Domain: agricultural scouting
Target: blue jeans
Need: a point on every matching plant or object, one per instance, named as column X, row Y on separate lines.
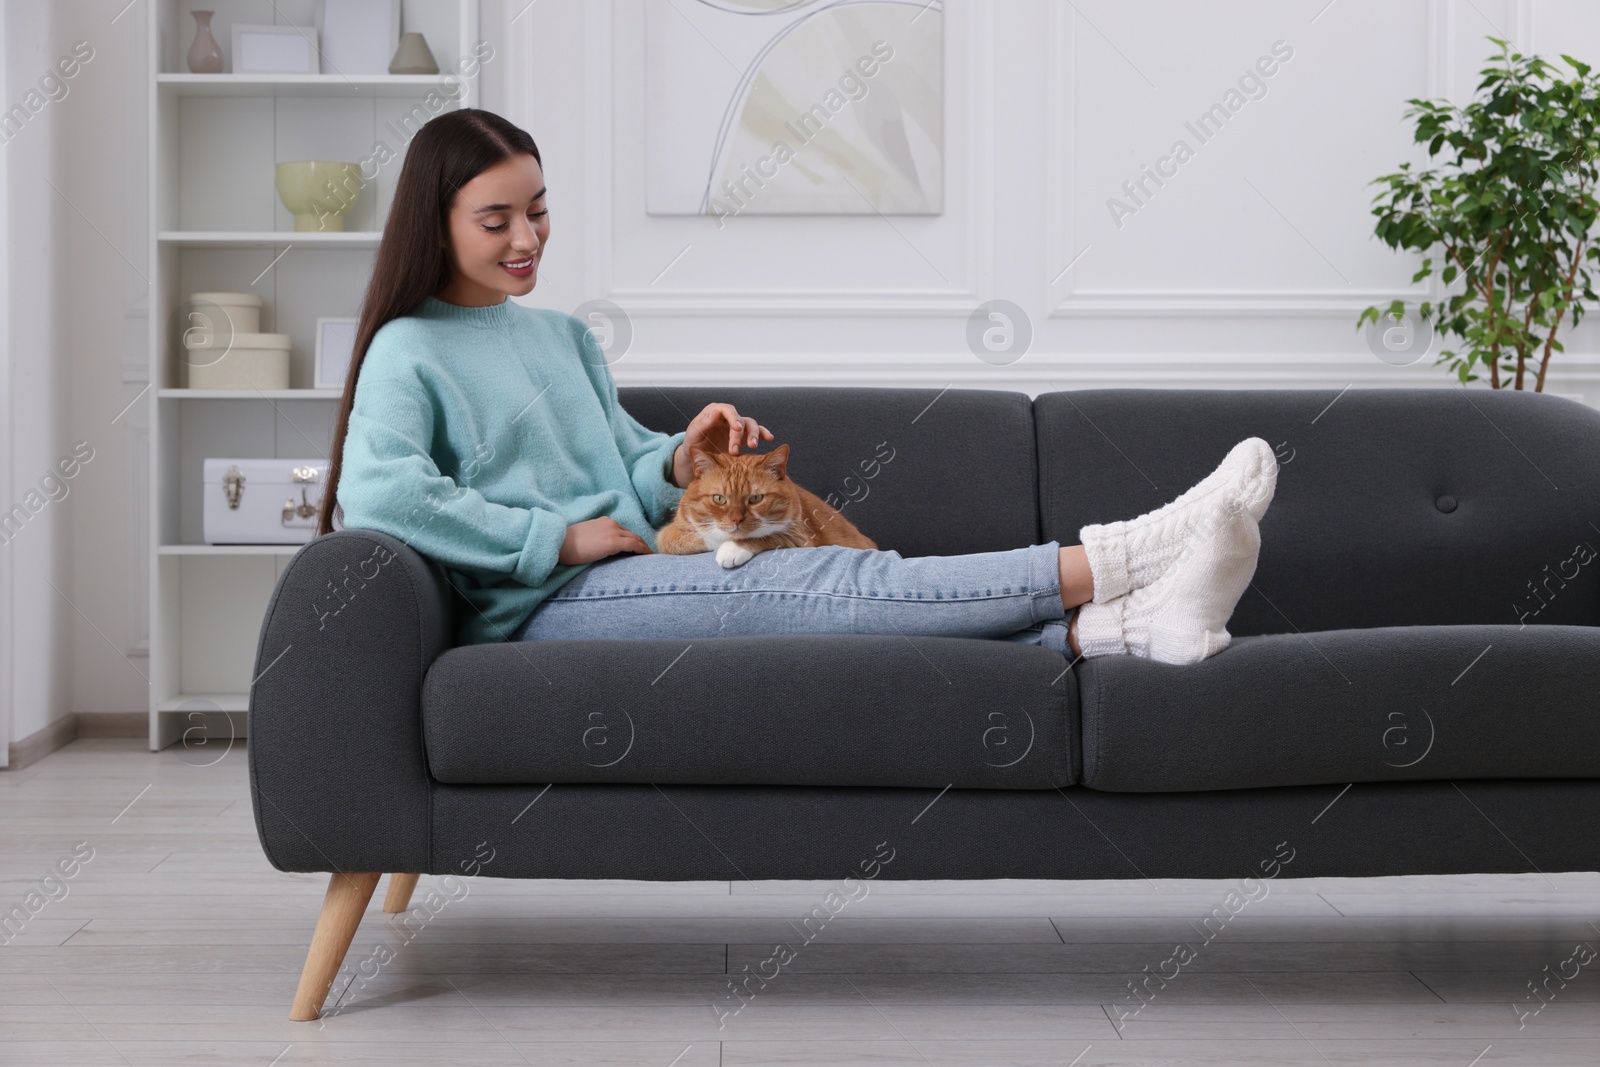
column 1013, row 595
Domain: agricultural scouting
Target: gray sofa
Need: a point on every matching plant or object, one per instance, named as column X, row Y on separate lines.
column 1413, row 688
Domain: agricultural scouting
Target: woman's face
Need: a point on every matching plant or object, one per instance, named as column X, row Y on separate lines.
column 498, row 228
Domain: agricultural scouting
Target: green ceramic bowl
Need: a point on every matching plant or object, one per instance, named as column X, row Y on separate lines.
column 318, row 193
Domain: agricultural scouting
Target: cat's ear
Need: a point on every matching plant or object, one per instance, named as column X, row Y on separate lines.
column 776, row 462
column 700, row 459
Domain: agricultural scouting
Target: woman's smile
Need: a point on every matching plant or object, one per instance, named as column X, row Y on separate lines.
column 520, row 268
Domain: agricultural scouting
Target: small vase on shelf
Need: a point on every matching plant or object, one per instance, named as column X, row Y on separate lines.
column 413, row 56
column 205, row 55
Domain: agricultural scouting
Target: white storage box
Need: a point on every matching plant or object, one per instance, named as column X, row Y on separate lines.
column 224, row 314
column 239, row 361
column 262, row 501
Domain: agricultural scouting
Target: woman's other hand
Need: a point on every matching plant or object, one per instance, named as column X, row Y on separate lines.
column 595, row 539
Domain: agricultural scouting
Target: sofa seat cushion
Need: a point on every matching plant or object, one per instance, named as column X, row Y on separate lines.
column 804, row 709
column 1366, row 705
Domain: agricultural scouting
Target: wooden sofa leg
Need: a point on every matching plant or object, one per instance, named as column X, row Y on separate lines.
column 342, row 907
column 400, row 889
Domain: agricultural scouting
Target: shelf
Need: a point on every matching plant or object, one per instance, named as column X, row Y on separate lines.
column 249, row 394
column 222, row 702
column 229, row 550
column 269, row 238
column 217, row 224
column 355, row 85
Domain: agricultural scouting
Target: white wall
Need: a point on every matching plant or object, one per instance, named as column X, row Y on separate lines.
column 75, row 626
column 8, row 602
column 102, row 322
column 38, row 413
column 1247, row 269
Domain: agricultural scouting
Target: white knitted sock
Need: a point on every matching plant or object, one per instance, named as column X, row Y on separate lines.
column 1124, row 556
column 1182, row 616
column 1100, row 630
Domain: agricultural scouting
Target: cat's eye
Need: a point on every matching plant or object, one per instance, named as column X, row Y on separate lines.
column 756, row 497
column 718, row 498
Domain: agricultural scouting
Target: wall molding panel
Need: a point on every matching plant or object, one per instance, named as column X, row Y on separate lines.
column 1065, row 243
column 968, row 86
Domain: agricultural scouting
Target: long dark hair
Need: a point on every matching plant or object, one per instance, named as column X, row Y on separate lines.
column 412, row 264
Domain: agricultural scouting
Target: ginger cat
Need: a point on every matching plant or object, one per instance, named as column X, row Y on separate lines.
column 737, row 506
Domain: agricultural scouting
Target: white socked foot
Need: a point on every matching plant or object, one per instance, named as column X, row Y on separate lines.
column 1128, row 555
column 1182, row 617
column 1100, row 630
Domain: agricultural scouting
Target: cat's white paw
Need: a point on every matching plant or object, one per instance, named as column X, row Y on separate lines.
column 732, row 554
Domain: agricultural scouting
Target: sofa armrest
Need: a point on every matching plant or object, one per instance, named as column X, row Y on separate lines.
column 338, row 775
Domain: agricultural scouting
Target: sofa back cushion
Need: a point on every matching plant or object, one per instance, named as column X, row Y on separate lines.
column 1393, row 507
column 925, row 472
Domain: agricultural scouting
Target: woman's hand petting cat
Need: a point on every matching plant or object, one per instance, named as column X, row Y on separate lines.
column 707, row 429
column 595, row 539
column 718, row 428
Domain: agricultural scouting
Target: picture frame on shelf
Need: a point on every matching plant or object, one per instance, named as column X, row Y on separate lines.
column 358, row 36
column 336, row 343
column 265, row 49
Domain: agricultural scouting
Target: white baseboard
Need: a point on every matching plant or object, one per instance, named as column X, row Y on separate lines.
column 67, row 729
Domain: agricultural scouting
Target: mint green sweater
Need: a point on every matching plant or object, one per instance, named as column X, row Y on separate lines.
column 479, row 434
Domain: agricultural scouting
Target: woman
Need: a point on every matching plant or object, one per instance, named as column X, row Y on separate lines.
column 487, row 435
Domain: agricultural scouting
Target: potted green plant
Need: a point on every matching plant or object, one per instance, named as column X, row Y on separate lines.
column 1509, row 210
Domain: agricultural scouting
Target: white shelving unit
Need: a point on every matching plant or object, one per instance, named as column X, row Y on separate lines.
column 218, row 225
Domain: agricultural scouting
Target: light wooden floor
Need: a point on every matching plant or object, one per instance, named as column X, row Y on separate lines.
column 178, row 944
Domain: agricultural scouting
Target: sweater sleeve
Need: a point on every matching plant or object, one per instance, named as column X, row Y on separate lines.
column 389, row 482
column 646, row 453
